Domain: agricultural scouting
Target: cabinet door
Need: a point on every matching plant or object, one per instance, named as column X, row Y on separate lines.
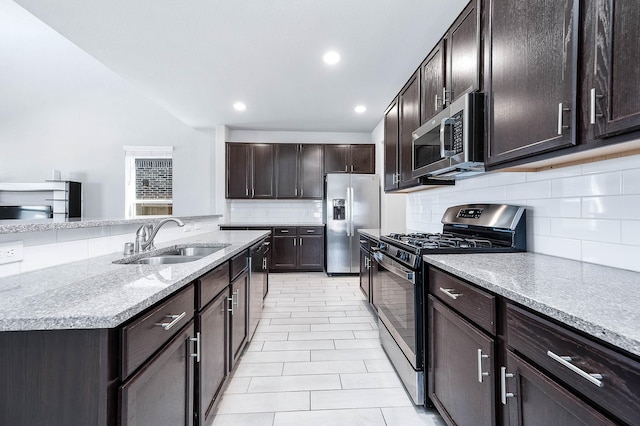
column 214, row 351
column 311, row 176
column 286, row 171
column 532, row 77
column 311, row 253
column 161, row 393
column 364, row 273
column 432, row 84
column 616, row 42
column 391, row 141
column 237, row 170
column 463, row 50
column 456, row 384
column 363, row 159
column 285, row 252
column 539, row 401
column 239, row 295
column 262, row 169
column 409, row 113
column 336, row 158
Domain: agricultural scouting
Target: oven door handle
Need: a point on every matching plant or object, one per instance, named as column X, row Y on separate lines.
column 394, row 267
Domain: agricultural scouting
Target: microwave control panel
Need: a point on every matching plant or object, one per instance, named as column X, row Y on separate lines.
column 458, row 133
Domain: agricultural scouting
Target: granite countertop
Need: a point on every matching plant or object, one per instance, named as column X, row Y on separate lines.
column 97, row 293
column 34, row 225
column 601, row 301
column 271, row 225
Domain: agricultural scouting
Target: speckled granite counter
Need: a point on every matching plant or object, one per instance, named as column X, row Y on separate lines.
column 601, row 301
column 97, row 293
column 270, row 225
column 17, row 226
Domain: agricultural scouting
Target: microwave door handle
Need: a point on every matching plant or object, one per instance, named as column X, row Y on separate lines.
column 446, row 137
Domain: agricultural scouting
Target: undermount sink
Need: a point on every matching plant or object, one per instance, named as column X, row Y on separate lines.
column 177, row 255
column 163, row 260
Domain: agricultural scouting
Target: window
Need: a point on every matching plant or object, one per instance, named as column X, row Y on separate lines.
column 148, row 181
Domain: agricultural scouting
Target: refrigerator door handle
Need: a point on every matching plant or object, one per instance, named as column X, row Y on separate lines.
column 351, row 225
column 348, row 212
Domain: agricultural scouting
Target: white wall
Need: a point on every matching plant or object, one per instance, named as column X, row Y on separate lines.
column 588, row 212
column 61, row 109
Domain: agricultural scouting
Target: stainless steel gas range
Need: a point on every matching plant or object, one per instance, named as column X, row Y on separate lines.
column 469, row 228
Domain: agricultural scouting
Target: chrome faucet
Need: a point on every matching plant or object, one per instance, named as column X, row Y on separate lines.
column 147, row 232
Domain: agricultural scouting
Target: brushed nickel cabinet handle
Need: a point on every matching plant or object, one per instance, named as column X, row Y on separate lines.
column 566, row 362
column 592, row 106
column 197, row 342
column 175, row 319
column 561, row 110
column 481, row 374
column 503, row 385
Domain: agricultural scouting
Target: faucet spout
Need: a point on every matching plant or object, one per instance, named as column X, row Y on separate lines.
column 147, row 232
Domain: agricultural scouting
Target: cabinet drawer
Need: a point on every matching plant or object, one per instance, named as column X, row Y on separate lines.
column 473, row 303
column 238, row 264
column 543, row 342
column 146, row 334
column 310, row 230
column 285, row 231
column 211, row 284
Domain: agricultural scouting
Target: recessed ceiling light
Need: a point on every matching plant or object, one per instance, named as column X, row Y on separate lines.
column 331, row 57
column 360, row 109
column 239, row 106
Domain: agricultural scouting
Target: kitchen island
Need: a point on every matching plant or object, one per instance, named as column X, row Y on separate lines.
column 103, row 343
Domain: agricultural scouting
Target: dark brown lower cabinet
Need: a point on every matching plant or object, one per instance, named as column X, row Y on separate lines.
column 461, row 369
column 212, row 368
column 311, row 252
column 536, row 400
column 284, row 253
column 161, row 392
column 238, row 299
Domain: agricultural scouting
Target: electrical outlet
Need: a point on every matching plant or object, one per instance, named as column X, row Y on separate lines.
column 11, row 252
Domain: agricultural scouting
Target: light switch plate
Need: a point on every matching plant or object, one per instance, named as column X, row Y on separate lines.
column 11, row 252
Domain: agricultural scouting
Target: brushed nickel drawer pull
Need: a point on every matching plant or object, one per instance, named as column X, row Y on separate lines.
column 197, row 342
column 450, row 292
column 566, row 362
column 176, row 319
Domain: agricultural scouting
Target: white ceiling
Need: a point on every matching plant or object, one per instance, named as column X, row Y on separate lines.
column 197, row 57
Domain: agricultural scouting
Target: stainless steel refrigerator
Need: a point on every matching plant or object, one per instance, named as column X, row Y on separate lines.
column 352, row 202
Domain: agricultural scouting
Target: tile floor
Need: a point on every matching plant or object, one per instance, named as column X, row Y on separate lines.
column 316, row 360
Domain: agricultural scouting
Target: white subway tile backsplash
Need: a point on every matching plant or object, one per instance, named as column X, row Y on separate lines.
column 587, row 229
column 631, row 232
column 631, row 181
column 588, row 212
column 584, row 186
column 43, row 256
column 9, row 269
column 275, row 211
column 614, row 207
column 529, row 190
column 618, row 256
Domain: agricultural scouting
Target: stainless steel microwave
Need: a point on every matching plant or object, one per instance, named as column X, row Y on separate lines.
column 452, row 143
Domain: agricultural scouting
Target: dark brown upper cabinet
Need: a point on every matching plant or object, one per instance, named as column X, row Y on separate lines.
column 250, row 170
column 391, row 139
column 611, row 54
column 452, row 68
column 531, row 71
column 349, row 159
column 409, row 120
column 299, row 171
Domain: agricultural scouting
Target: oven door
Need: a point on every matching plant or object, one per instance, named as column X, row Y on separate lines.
column 397, row 303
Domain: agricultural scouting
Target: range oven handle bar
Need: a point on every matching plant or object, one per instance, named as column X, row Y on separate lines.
column 394, row 267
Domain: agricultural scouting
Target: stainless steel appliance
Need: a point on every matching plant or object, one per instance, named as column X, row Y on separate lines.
column 352, row 201
column 452, row 143
column 258, row 282
column 470, row 228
